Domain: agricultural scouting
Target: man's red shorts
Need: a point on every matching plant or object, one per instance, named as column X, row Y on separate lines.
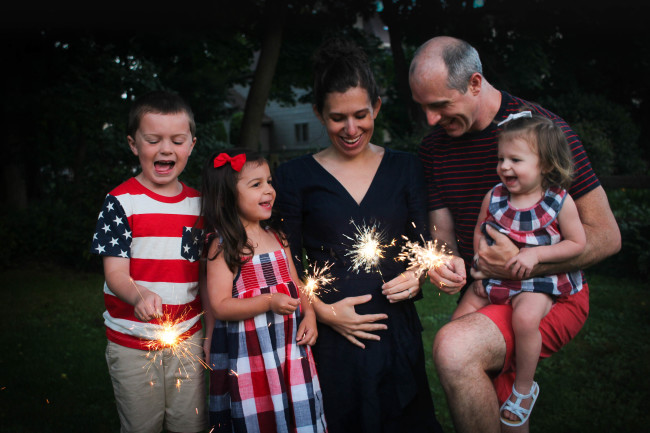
column 558, row 327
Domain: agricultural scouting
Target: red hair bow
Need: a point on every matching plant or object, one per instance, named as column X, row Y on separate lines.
column 236, row 162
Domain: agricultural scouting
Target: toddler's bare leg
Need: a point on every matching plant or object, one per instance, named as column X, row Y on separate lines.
column 470, row 302
column 528, row 311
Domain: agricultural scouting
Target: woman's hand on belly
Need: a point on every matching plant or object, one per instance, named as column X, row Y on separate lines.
column 343, row 318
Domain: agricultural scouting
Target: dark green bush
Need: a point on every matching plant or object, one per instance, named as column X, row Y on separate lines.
column 58, row 226
column 631, row 208
column 607, row 131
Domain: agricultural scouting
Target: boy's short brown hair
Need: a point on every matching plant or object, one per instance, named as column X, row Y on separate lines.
column 159, row 102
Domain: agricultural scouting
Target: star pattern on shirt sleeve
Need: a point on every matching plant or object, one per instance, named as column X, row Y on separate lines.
column 112, row 235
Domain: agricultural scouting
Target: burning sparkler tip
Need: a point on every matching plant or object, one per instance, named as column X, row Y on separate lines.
column 317, row 281
column 422, row 258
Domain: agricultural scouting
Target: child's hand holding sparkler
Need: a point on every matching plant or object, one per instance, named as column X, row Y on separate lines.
column 313, row 284
column 283, row 304
column 148, row 306
column 307, row 331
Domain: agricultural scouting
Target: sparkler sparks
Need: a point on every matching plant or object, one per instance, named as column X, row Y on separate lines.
column 368, row 248
column 316, row 282
column 169, row 336
column 170, row 333
column 421, row 258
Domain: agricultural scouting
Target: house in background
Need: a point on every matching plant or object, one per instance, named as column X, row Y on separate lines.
column 287, row 130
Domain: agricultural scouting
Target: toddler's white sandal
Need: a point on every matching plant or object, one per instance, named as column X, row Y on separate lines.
column 515, row 408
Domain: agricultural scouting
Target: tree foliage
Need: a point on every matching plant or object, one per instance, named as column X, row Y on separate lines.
column 71, row 74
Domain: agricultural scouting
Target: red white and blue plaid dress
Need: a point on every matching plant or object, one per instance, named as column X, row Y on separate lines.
column 530, row 227
column 261, row 380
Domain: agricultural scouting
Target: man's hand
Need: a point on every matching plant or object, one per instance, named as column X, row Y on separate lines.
column 449, row 278
column 492, row 259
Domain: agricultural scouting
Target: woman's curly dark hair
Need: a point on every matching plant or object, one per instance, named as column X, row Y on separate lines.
column 339, row 65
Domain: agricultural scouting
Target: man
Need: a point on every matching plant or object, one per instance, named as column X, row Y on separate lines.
column 474, row 353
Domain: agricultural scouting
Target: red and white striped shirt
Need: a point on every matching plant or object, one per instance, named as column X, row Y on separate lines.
column 160, row 237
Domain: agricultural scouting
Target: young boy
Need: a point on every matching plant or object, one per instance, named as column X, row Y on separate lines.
column 150, row 254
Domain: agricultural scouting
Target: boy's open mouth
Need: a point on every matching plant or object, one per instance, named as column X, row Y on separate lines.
column 163, row 167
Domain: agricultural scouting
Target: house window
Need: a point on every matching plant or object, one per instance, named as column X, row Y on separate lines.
column 302, row 132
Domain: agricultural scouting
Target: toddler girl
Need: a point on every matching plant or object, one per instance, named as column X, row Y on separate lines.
column 263, row 376
column 532, row 207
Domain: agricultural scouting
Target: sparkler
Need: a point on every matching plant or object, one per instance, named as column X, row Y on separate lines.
column 316, row 282
column 170, row 335
column 421, row 258
column 368, row 248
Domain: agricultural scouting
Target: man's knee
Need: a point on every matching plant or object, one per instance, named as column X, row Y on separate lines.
column 449, row 351
column 472, row 342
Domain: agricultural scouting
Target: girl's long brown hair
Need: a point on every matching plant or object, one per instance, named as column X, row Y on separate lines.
column 221, row 219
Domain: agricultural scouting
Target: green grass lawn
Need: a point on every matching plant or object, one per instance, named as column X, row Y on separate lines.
column 600, row 382
column 53, row 375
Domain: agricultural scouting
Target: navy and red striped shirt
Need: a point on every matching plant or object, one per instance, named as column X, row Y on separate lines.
column 459, row 171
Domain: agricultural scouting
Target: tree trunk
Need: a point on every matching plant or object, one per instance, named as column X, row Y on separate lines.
column 273, row 20
column 390, row 16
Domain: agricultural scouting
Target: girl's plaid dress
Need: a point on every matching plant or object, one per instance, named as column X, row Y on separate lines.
column 530, row 227
column 261, row 380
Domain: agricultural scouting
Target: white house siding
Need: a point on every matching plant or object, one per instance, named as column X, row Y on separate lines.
column 283, row 131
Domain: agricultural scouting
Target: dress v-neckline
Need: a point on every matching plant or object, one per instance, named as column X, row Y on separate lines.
column 370, row 186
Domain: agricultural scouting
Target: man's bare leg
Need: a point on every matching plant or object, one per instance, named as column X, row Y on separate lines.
column 465, row 351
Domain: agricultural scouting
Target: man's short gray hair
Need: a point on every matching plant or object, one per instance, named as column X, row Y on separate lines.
column 462, row 62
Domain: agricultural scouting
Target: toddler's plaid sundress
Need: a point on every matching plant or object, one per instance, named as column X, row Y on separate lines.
column 530, row 227
column 261, row 380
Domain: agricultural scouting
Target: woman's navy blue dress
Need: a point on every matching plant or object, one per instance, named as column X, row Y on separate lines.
column 382, row 388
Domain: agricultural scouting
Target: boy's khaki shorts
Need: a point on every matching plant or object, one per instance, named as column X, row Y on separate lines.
column 159, row 389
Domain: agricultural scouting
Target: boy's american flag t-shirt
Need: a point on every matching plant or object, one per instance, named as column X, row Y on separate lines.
column 160, row 237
